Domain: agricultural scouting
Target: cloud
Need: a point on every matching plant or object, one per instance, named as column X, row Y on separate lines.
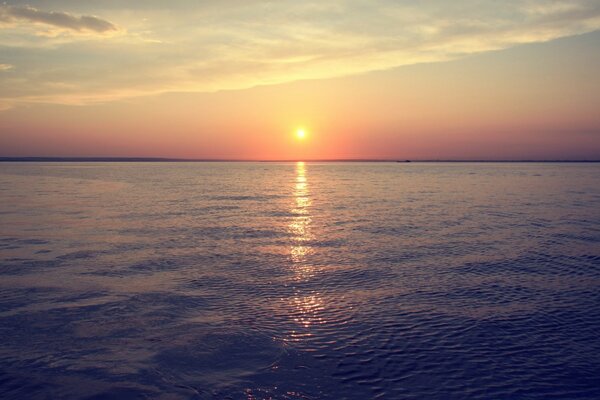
column 200, row 47
column 62, row 20
column 5, row 67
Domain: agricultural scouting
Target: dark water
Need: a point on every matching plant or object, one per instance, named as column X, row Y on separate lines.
column 299, row 281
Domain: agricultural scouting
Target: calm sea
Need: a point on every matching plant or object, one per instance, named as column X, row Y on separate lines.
column 299, row 281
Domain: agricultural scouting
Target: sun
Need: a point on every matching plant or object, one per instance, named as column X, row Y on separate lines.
column 300, row 133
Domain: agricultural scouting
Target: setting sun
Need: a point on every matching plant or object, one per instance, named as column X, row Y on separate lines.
column 300, row 133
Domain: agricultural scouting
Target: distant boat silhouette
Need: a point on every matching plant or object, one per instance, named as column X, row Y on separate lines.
column 403, row 161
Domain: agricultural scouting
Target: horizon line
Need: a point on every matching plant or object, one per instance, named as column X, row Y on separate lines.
column 170, row 159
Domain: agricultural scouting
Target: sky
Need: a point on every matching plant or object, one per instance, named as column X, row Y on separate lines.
column 365, row 79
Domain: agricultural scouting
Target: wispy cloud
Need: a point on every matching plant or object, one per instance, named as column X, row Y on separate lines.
column 5, row 67
column 56, row 19
column 197, row 46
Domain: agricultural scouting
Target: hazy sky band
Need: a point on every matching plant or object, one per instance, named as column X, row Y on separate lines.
column 91, row 54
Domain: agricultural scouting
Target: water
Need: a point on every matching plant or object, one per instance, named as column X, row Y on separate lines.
column 299, row 281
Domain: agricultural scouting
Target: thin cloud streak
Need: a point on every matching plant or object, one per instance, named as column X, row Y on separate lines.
column 63, row 20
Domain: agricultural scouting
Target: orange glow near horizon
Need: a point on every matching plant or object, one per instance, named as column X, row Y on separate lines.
column 463, row 109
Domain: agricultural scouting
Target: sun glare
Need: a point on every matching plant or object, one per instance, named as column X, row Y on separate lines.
column 300, row 133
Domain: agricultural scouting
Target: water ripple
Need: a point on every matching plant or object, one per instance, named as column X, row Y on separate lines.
column 300, row 281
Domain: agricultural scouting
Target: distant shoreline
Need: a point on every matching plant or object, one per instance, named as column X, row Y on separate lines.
column 163, row 159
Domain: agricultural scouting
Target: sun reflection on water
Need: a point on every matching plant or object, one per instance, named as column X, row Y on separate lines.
column 306, row 306
column 299, row 226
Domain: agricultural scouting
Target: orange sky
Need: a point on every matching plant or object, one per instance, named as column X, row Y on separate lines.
column 533, row 96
